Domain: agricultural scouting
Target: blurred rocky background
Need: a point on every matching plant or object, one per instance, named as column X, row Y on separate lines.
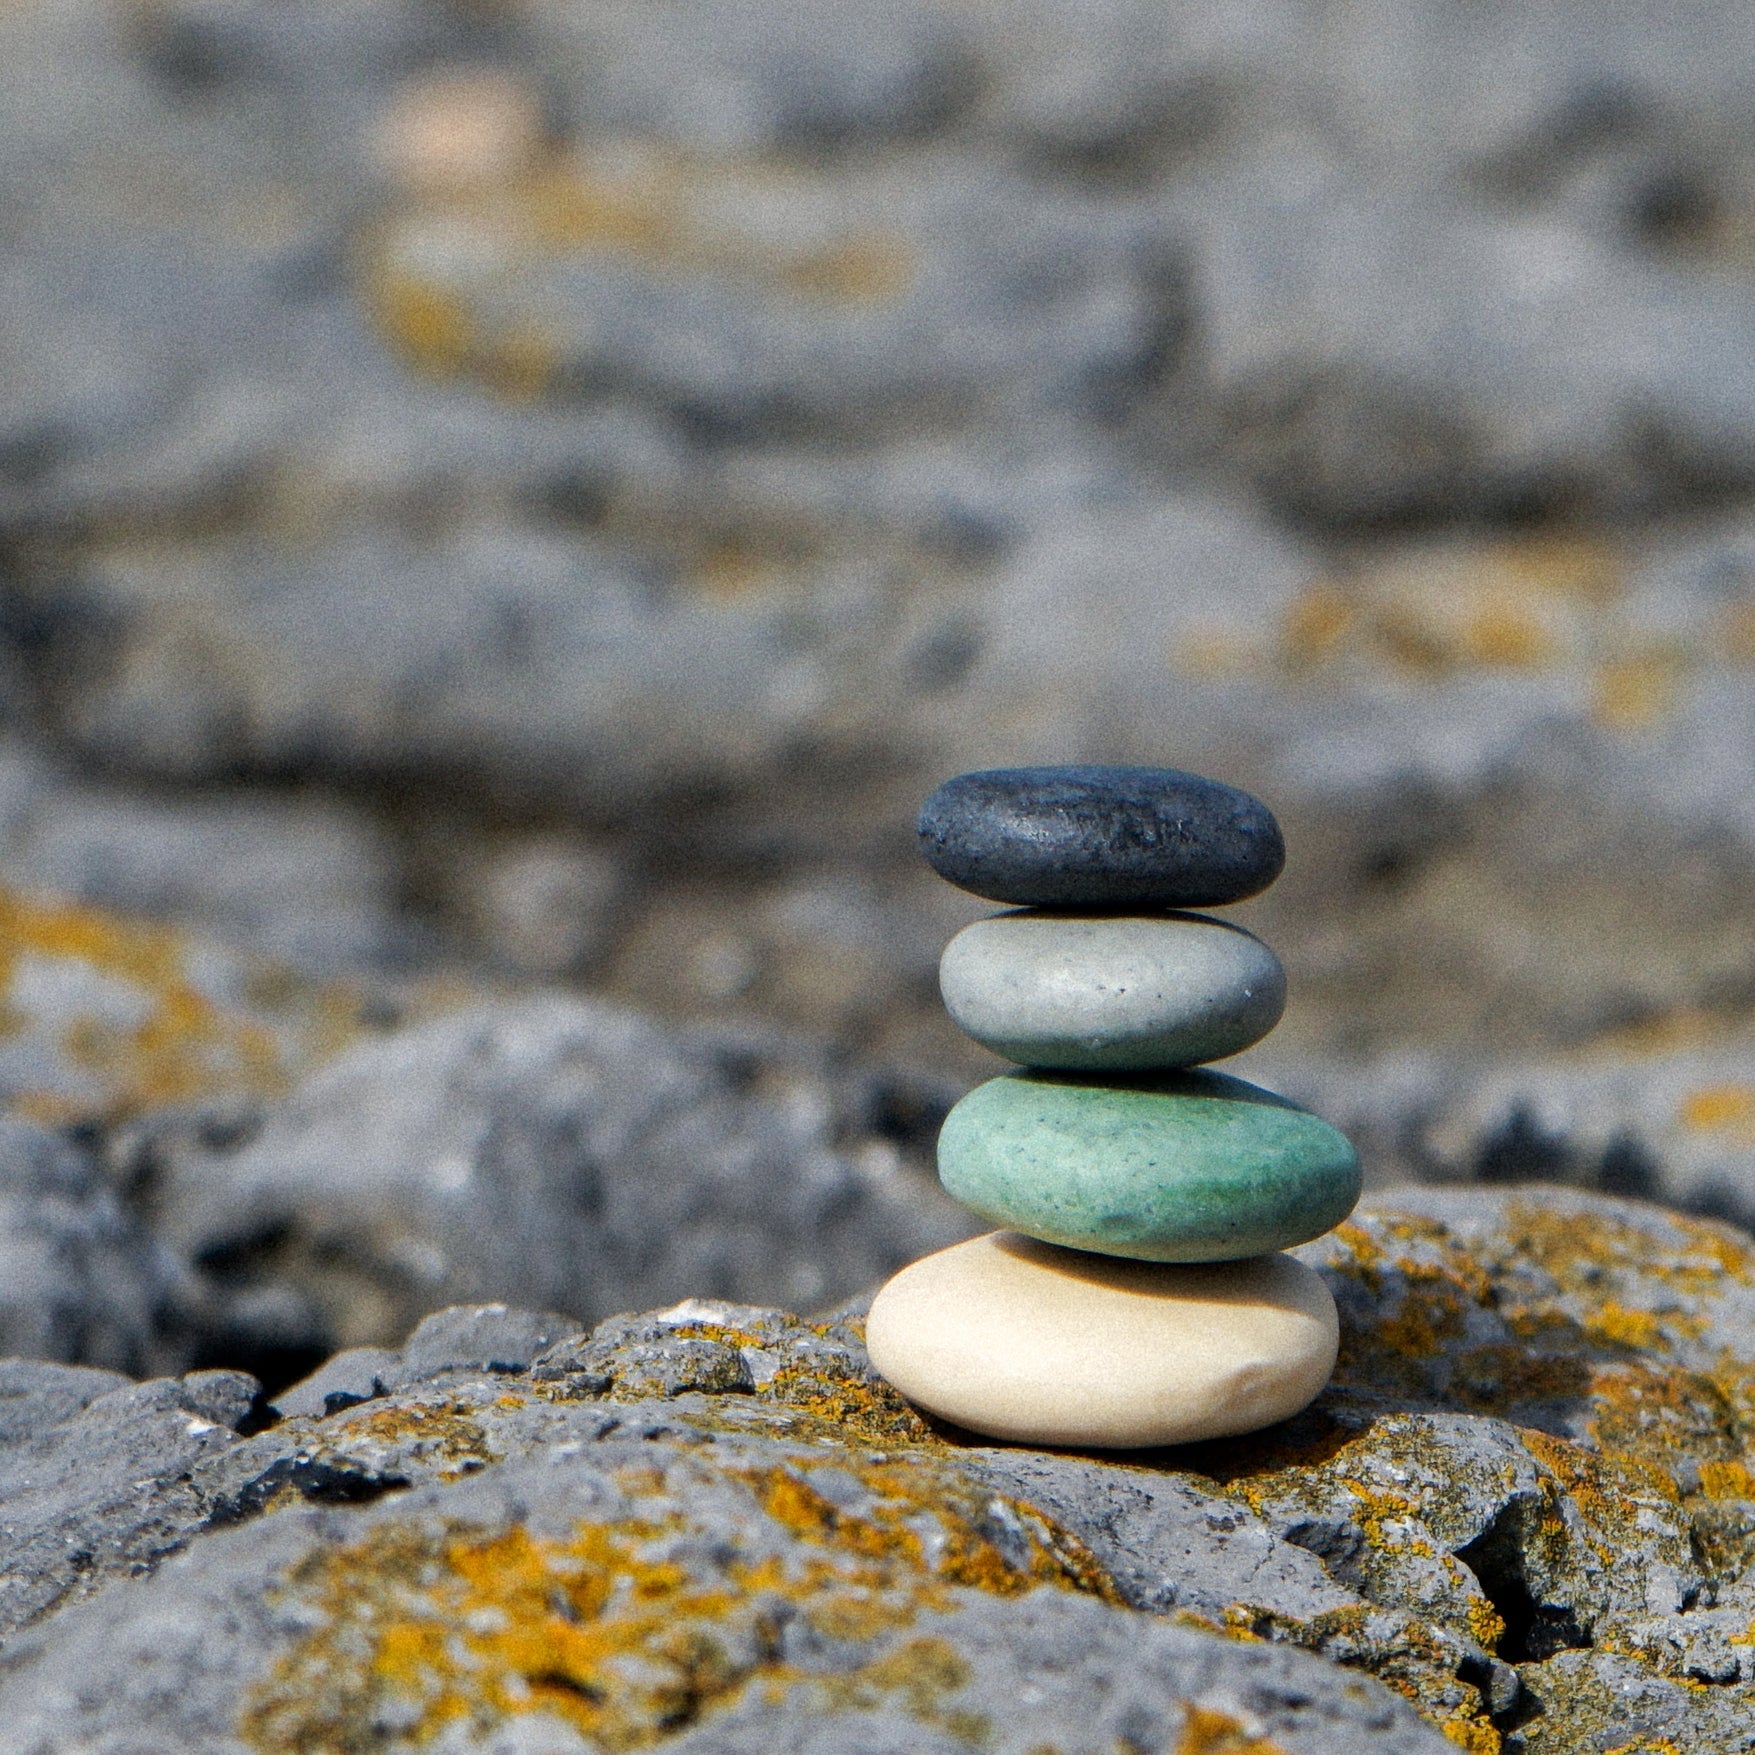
column 506, row 506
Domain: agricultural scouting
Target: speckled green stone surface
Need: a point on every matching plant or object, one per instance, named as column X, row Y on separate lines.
column 1174, row 1166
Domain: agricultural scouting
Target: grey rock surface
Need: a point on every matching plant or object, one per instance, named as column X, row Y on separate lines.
column 556, row 1153
column 957, row 1658
column 633, row 525
column 80, row 1281
column 1523, row 1507
column 306, row 881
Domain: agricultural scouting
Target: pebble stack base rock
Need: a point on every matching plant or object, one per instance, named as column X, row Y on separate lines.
column 1018, row 1339
column 1111, row 993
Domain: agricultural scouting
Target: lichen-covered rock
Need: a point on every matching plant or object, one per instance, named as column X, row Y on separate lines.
column 307, row 881
column 108, row 1017
column 625, row 1573
column 1525, row 1506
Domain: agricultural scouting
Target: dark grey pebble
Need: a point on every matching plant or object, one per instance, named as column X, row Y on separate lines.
column 1099, row 837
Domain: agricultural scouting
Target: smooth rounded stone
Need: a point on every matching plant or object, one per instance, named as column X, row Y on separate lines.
column 1111, row 992
column 1170, row 1166
column 1017, row 1339
column 1100, row 837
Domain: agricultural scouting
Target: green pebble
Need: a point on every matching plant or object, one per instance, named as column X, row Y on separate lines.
column 1170, row 1166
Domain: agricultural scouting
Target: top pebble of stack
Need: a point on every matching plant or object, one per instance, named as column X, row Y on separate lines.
column 1100, row 837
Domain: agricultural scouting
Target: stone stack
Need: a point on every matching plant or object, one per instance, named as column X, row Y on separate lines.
column 1137, row 1296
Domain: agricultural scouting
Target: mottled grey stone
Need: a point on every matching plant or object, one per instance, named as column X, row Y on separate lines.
column 97, row 1485
column 1168, row 1541
column 341, row 1381
column 79, row 1280
column 311, row 882
column 483, row 1337
column 1505, row 1505
column 956, row 1659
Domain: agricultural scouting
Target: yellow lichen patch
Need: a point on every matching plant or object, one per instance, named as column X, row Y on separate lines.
column 907, row 1499
column 1730, row 1479
column 1529, row 605
column 1660, row 1414
column 427, row 324
column 1206, row 1730
column 483, row 1627
column 858, row 1410
column 631, row 1629
column 1578, row 1252
column 920, row 1675
column 1504, row 632
column 1498, row 1377
column 120, row 1005
column 445, row 1433
column 858, row 271
column 1638, row 691
column 1486, row 1624
column 1316, row 623
column 1615, row 1323
column 1473, row 1734
column 1424, row 1289
column 1721, row 1109
column 445, row 280
column 1609, row 1493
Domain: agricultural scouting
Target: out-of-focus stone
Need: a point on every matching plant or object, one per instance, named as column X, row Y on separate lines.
column 111, row 1016
column 308, row 881
column 557, row 1153
column 79, row 1281
column 459, row 131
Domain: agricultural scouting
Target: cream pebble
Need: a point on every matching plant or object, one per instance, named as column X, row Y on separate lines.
column 1111, row 992
column 1023, row 1340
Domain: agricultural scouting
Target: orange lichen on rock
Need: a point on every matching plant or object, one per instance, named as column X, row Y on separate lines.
column 1636, row 692
column 445, row 1433
column 444, row 278
column 1208, row 1731
column 1423, row 1288
column 1476, row 1735
column 631, row 1628
column 1726, row 1109
column 909, row 1497
column 1727, row 1480
column 128, row 1020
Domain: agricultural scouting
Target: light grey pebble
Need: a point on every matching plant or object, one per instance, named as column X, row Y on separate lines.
column 1114, row 992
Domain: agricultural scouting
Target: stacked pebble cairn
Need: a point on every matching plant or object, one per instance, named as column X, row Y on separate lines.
column 1137, row 1296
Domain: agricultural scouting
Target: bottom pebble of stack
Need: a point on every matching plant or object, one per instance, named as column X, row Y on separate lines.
column 1024, row 1340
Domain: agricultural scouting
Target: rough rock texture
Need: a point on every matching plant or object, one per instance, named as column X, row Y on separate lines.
column 307, row 881
column 1665, row 1111
column 556, row 1153
column 1525, row 1507
column 610, row 464
column 79, row 1280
